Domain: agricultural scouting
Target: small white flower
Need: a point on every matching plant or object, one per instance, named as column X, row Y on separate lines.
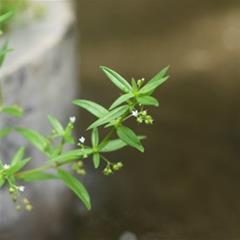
column 6, row 166
column 81, row 139
column 135, row 113
column 72, row 119
column 21, row 188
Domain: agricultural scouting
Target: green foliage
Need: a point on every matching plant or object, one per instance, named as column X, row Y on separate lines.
column 132, row 104
column 76, row 186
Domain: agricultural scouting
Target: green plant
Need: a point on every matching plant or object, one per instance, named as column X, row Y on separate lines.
column 136, row 96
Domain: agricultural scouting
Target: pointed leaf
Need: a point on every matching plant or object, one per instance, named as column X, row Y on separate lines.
column 35, row 176
column 17, row 166
column 155, row 81
column 96, row 160
column 35, row 138
column 151, row 86
column 148, row 100
column 121, row 100
column 92, row 107
column 129, row 137
column 56, row 124
column 76, row 186
column 116, row 113
column 95, row 137
column 18, row 156
column 14, row 111
column 6, row 16
column 117, row 79
column 116, row 144
column 71, row 155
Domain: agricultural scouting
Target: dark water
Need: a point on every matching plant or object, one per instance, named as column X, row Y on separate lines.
column 186, row 184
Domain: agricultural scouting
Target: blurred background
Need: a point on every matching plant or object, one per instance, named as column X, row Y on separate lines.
column 186, row 184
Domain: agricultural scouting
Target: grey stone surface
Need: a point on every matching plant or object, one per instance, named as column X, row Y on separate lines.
column 40, row 76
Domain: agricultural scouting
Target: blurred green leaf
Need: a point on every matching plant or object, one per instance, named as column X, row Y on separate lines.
column 92, row 107
column 36, row 176
column 56, row 124
column 6, row 17
column 3, row 52
column 18, row 156
column 17, row 166
column 72, row 155
column 14, row 111
column 4, row 132
column 129, row 137
column 35, row 138
column 117, row 79
column 76, row 186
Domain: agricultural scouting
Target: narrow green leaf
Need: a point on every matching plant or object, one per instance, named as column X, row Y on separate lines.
column 76, row 186
column 36, row 176
column 95, row 137
column 113, row 145
column 4, row 132
column 3, row 52
column 71, row 155
column 6, row 16
column 129, row 137
column 92, row 107
column 151, row 86
column 56, row 124
column 134, row 84
column 96, row 160
column 18, row 156
column 117, row 112
column 116, row 144
column 156, row 81
column 117, row 79
column 14, row 111
column 35, row 138
column 148, row 100
column 121, row 100
column 17, row 166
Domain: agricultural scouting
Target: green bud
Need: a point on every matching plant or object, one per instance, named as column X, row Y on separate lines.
column 80, row 163
column 81, row 172
column 28, row 207
column 139, row 120
column 120, row 165
column 26, row 201
column 115, row 167
column 18, row 207
column 11, row 190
